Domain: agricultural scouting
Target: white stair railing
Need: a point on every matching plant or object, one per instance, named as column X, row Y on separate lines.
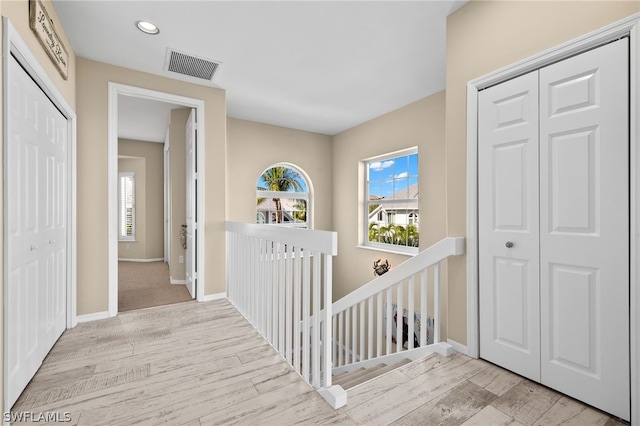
column 278, row 277
column 365, row 322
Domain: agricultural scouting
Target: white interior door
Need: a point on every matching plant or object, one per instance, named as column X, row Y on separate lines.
column 191, row 199
column 584, row 231
column 509, row 230
column 554, row 187
column 35, row 229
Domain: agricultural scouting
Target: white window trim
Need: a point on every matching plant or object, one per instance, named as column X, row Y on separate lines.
column 365, row 243
column 121, row 236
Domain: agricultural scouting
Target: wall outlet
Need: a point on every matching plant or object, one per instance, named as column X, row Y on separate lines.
column 180, row 259
column 128, row 247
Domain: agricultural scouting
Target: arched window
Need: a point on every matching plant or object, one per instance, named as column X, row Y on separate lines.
column 282, row 197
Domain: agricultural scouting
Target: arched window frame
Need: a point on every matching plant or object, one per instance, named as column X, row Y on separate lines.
column 305, row 196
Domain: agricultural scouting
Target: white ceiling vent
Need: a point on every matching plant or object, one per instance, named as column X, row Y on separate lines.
column 190, row 65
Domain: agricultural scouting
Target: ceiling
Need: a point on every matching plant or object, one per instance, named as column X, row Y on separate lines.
column 319, row 66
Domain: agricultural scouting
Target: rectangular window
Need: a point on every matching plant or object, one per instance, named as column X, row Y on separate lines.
column 127, row 216
column 392, row 202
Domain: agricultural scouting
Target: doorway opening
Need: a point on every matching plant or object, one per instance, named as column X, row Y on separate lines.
column 149, row 263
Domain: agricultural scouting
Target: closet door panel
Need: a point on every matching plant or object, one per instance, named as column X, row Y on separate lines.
column 36, row 229
column 508, row 218
column 584, row 227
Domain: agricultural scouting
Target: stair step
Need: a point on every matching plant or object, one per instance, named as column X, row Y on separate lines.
column 343, row 379
column 376, row 373
column 355, row 378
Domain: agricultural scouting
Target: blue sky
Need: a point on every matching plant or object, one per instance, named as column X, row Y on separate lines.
column 303, row 184
column 389, row 176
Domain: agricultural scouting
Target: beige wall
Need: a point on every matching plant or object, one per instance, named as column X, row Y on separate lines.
column 92, row 88
column 177, row 132
column 149, row 169
column 253, row 147
column 482, row 37
column 18, row 13
column 419, row 124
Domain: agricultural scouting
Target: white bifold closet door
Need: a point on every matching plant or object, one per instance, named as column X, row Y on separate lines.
column 35, row 229
column 553, row 156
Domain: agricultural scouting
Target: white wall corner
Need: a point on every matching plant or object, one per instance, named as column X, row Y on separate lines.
column 458, row 347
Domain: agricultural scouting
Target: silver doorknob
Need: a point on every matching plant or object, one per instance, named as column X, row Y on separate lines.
column 509, row 244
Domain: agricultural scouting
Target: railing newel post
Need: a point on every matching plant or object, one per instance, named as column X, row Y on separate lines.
column 329, row 324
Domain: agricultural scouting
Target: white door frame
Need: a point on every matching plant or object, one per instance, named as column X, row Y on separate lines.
column 629, row 26
column 14, row 44
column 167, row 197
column 115, row 90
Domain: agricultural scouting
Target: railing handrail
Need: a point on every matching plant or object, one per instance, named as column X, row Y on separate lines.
column 449, row 246
column 277, row 276
column 321, row 241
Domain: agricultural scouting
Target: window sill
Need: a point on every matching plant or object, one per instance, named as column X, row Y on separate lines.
column 388, row 250
column 127, row 241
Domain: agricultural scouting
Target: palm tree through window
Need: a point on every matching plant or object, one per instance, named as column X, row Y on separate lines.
column 282, row 197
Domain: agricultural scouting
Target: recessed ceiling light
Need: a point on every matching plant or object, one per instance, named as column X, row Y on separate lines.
column 147, row 27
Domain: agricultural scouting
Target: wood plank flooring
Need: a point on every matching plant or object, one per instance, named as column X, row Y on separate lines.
column 204, row 364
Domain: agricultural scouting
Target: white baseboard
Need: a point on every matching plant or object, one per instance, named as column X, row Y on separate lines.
column 160, row 259
column 93, row 317
column 458, row 347
column 183, row 282
column 210, row 297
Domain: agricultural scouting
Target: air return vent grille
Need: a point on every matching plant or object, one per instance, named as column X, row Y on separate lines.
column 192, row 66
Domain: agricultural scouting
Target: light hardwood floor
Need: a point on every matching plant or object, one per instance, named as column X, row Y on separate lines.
column 204, row 364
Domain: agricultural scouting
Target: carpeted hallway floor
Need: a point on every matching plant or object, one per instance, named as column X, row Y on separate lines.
column 147, row 284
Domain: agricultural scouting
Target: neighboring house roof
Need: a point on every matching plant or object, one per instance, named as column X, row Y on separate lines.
column 391, row 202
column 269, row 205
column 409, row 193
